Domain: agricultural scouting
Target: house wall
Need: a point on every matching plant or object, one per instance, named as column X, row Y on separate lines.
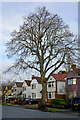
column 37, row 90
column 51, row 89
column 26, row 92
column 78, row 93
column 18, row 90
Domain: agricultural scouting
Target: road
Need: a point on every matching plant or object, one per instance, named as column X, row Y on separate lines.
column 18, row 112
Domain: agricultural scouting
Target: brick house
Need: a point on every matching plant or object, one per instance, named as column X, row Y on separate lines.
column 56, row 87
column 73, row 82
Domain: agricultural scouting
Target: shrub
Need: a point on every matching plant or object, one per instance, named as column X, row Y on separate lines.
column 61, row 103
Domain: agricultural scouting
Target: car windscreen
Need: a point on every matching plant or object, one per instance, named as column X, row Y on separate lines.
column 75, row 99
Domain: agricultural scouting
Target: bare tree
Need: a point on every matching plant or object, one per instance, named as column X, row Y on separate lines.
column 42, row 43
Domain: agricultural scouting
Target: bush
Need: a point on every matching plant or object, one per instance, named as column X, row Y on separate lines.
column 61, row 103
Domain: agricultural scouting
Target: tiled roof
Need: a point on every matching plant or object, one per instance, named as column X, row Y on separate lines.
column 19, row 84
column 60, row 77
column 37, row 78
column 72, row 74
column 28, row 82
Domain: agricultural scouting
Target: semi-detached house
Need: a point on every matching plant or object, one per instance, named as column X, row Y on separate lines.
column 56, row 87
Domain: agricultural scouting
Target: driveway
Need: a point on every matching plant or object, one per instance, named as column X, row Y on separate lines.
column 18, row 112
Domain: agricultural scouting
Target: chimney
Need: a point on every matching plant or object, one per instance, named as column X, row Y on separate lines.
column 33, row 77
column 73, row 67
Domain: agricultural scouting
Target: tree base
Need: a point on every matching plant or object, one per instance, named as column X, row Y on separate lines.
column 42, row 107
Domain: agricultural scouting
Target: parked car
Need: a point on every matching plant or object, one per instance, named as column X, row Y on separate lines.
column 10, row 99
column 75, row 103
column 30, row 101
column 19, row 100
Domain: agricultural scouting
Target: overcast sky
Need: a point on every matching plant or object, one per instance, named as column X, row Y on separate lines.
column 12, row 18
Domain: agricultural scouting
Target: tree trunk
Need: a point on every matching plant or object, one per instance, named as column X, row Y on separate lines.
column 44, row 93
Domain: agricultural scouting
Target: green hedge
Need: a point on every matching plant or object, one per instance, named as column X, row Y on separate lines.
column 60, row 103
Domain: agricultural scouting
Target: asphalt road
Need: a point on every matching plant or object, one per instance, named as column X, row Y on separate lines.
column 18, row 112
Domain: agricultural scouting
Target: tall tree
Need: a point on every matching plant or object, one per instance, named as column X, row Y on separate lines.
column 42, row 43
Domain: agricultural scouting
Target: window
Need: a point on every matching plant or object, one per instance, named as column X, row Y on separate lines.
column 51, row 84
column 34, row 86
column 74, row 81
column 50, row 78
column 25, row 96
column 25, row 88
column 34, row 95
column 50, row 95
column 70, row 82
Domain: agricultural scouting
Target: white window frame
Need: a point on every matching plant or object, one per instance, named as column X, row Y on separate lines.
column 51, row 84
column 34, row 95
column 52, row 95
column 74, row 81
column 70, row 81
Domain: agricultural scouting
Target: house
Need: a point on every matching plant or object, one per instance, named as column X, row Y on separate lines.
column 36, row 87
column 17, row 90
column 73, row 82
column 26, row 89
column 56, row 87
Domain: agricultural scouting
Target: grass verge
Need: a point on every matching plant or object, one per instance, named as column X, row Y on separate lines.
column 32, row 107
column 53, row 110
column 48, row 109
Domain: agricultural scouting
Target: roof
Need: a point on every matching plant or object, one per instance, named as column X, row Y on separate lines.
column 37, row 78
column 28, row 82
column 59, row 77
column 72, row 74
column 19, row 84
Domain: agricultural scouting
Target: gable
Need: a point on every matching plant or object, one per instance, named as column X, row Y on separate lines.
column 59, row 77
column 34, row 81
column 72, row 74
column 51, row 78
column 24, row 84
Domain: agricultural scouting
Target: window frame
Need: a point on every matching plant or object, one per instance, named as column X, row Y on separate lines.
column 71, row 81
column 52, row 94
column 34, row 95
column 50, row 84
column 33, row 86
